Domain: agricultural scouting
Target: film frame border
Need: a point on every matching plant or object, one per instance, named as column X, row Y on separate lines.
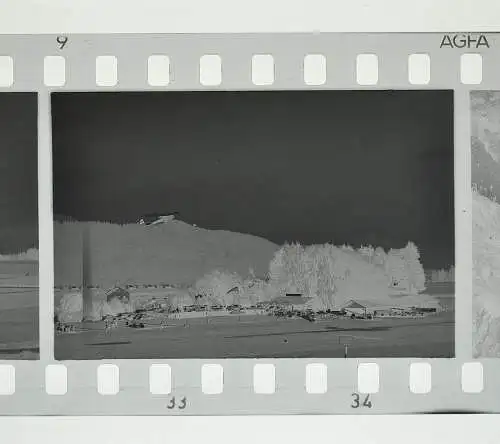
column 288, row 50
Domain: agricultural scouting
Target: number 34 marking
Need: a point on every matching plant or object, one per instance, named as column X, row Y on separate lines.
column 357, row 403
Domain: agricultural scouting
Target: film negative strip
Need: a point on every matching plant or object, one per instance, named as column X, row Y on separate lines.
column 249, row 224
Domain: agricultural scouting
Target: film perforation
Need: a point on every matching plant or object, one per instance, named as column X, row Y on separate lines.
column 210, row 70
column 471, row 69
column 6, row 71
column 361, row 395
column 263, row 69
column 316, row 378
column 472, row 377
column 106, row 71
column 419, row 69
column 56, row 379
column 8, row 379
column 212, row 379
column 420, row 377
column 264, row 377
column 367, row 69
column 54, row 74
column 108, row 379
column 160, row 379
column 368, row 378
column 158, row 70
column 314, row 70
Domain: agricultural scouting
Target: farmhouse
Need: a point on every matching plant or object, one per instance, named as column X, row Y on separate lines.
column 117, row 293
column 400, row 306
column 363, row 308
column 157, row 218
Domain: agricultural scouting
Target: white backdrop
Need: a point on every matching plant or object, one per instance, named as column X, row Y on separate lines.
column 100, row 16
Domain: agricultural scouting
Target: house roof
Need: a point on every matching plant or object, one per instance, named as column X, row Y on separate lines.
column 359, row 303
column 354, row 304
column 291, row 300
column 117, row 293
column 153, row 217
column 401, row 302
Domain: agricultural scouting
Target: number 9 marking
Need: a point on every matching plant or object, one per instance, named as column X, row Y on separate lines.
column 62, row 40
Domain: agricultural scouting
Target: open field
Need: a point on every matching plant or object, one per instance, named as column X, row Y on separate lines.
column 444, row 292
column 264, row 336
column 19, row 304
column 20, row 272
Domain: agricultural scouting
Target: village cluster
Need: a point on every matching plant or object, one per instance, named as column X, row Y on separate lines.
column 159, row 313
column 315, row 283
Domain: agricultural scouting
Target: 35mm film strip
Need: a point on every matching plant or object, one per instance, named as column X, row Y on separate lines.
column 249, row 224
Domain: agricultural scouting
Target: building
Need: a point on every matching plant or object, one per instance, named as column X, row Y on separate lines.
column 292, row 302
column 156, row 218
column 365, row 308
column 401, row 307
column 118, row 293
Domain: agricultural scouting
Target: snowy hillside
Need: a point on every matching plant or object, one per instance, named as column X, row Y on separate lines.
column 173, row 253
column 29, row 255
column 486, row 275
column 485, row 107
column 485, row 143
column 485, row 176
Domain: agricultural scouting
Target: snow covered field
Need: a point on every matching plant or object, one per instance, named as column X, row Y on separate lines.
column 180, row 266
column 19, row 309
column 223, row 335
column 264, row 336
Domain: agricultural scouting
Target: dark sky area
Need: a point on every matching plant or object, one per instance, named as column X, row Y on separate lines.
column 18, row 172
column 353, row 167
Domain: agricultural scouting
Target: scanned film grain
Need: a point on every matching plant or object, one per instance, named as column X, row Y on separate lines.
column 485, row 178
column 294, row 197
column 18, row 226
column 236, row 224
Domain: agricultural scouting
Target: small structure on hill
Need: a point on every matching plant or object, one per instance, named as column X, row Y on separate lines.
column 156, row 218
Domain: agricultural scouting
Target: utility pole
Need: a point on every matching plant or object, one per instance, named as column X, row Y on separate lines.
column 86, row 273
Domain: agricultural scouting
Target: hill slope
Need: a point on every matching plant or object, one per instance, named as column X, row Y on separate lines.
column 486, row 276
column 485, row 142
column 172, row 253
column 485, row 174
column 485, row 171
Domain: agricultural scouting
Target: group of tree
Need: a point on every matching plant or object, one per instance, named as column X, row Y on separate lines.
column 442, row 275
column 326, row 273
column 309, row 271
column 403, row 267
